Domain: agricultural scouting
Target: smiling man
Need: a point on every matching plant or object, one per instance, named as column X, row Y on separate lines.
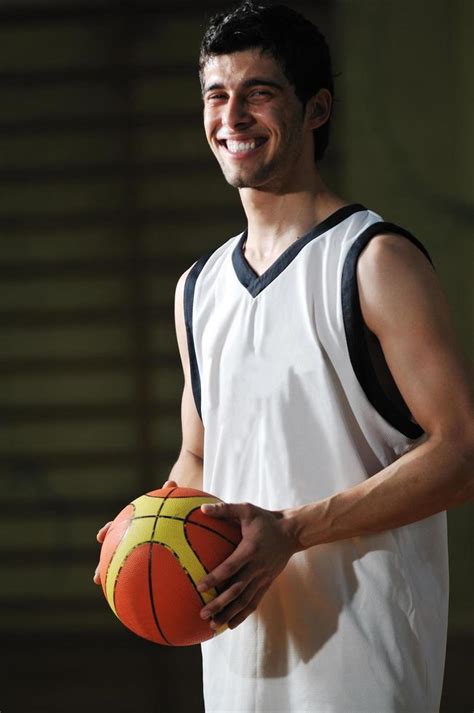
column 325, row 401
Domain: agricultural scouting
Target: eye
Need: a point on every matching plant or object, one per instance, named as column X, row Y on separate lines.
column 215, row 97
column 260, row 94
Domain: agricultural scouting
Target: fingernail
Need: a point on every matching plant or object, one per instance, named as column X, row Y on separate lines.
column 205, row 614
column 202, row 587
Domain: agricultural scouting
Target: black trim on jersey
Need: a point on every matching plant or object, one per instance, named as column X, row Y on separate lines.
column 256, row 283
column 189, row 287
column 393, row 408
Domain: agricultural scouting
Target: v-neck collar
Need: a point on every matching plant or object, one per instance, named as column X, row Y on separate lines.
column 255, row 283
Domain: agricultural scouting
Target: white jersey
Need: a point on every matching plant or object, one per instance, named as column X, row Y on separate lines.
column 298, row 403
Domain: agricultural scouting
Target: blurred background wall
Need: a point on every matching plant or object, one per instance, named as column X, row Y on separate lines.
column 108, row 193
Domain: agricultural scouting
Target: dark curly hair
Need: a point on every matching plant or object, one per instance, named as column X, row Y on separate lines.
column 290, row 38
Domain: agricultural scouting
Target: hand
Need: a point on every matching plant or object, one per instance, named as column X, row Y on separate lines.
column 100, row 538
column 266, row 546
column 103, row 530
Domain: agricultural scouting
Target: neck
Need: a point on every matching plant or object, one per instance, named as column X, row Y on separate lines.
column 275, row 220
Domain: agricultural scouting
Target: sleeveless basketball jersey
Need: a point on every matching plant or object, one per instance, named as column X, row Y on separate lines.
column 297, row 404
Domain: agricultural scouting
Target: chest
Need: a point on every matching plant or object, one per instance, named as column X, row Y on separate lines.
column 258, row 340
column 260, row 266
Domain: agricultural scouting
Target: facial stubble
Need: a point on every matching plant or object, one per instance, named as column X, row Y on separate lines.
column 269, row 175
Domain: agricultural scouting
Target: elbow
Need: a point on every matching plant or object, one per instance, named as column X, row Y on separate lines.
column 464, row 450
column 458, row 448
column 469, row 461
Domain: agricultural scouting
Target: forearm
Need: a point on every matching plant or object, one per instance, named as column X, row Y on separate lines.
column 433, row 477
column 187, row 471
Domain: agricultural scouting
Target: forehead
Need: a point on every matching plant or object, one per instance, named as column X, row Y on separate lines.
column 231, row 70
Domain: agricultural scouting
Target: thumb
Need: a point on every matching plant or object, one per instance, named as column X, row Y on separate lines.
column 170, row 484
column 230, row 510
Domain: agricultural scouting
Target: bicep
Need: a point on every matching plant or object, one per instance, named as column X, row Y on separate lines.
column 191, row 423
column 403, row 303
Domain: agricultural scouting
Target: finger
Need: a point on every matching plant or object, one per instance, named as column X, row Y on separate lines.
column 230, row 602
column 247, row 603
column 236, row 619
column 103, row 531
column 234, row 511
column 224, row 599
column 170, row 484
column 241, row 616
column 230, row 566
column 96, row 577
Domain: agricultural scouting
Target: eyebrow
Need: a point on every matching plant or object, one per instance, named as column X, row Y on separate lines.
column 253, row 82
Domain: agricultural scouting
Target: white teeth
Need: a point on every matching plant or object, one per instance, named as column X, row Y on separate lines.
column 238, row 146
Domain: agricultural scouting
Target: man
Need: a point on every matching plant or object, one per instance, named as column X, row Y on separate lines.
column 325, row 401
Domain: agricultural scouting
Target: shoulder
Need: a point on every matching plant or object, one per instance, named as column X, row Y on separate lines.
column 183, row 277
column 208, row 260
column 393, row 274
column 404, row 304
column 386, row 248
column 179, row 291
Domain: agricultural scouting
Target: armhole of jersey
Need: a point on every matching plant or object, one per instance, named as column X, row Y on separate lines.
column 189, row 289
column 365, row 352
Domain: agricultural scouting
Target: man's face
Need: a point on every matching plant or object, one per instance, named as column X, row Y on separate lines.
column 253, row 120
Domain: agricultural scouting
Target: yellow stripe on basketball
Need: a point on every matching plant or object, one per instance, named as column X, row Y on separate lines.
column 167, row 530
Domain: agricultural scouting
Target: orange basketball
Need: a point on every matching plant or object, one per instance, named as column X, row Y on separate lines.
column 154, row 554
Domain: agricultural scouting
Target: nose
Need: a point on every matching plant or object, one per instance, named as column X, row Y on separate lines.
column 236, row 113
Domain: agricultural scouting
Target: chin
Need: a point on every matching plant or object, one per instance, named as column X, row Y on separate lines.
column 236, row 181
column 239, row 183
column 239, row 180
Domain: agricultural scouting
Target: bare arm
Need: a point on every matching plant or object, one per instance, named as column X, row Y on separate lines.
column 187, row 471
column 410, row 316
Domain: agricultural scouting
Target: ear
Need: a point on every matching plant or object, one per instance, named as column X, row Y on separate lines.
column 318, row 108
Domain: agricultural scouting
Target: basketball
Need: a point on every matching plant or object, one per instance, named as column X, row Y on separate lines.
column 155, row 553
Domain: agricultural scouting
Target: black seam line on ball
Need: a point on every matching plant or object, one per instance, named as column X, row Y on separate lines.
column 204, row 527
column 113, row 557
column 176, row 556
column 150, row 558
column 191, row 522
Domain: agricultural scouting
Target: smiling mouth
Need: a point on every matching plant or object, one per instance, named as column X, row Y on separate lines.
column 243, row 147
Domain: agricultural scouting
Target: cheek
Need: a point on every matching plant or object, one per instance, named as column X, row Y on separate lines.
column 209, row 122
column 210, row 133
column 278, row 122
column 292, row 131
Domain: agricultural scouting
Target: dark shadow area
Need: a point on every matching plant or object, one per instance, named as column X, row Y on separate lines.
column 125, row 674
column 458, row 694
column 77, row 673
